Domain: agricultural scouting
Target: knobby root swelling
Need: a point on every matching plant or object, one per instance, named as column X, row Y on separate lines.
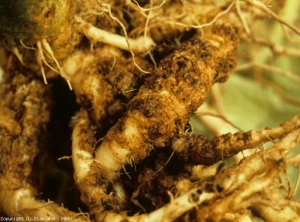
column 137, row 73
column 157, row 114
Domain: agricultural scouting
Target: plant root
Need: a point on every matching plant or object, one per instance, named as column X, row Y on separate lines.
column 197, row 149
column 103, row 85
column 23, row 118
column 19, row 200
column 161, row 100
column 138, row 45
column 134, row 154
column 256, row 174
column 169, row 87
column 85, row 164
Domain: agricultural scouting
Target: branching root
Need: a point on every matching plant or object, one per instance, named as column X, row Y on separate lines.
column 139, row 70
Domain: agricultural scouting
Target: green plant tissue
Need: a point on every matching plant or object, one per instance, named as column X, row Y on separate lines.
column 251, row 106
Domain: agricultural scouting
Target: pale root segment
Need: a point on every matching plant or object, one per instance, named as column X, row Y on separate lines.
column 94, row 185
column 139, row 45
column 255, row 182
column 88, row 174
column 104, row 84
column 99, row 83
column 198, row 149
column 258, row 163
column 171, row 211
column 25, row 108
column 176, row 89
column 18, row 200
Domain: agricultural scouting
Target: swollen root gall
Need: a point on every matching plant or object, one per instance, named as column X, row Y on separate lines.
column 158, row 113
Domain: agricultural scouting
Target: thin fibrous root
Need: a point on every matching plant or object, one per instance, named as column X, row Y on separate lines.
column 251, row 182
column 272, row 14
column 197, row 149
column 43, row 46
column 169, row 212
column 277, row 49
column 257, row 163
column 254, row 182
column 245, row 195
column 138, row 45
column 275, row 207
column 270, row 68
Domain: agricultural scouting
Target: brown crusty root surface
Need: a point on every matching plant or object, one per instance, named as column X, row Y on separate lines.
column 145, row 168
column 212, row 197
column 24, row 113
column 154, row 117
column 197, row 149
column 159, row 112
column 104, row 84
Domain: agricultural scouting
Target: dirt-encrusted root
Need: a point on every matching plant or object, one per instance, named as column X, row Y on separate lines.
column 25, row 107
column 197, row 149
column 154, row 117
column 104, row 84
column 134, row 154
column 159, row 112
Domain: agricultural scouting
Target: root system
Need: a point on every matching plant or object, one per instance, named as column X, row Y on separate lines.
column 135, row 110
